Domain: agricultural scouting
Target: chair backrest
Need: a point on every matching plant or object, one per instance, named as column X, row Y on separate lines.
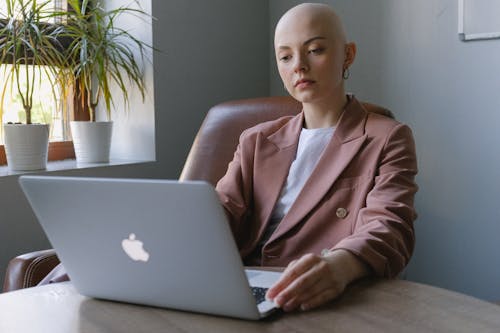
column 217, row 139
column 212, row 150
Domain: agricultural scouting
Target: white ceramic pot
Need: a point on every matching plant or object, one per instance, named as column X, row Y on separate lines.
column 26, row 146
column 92, row 140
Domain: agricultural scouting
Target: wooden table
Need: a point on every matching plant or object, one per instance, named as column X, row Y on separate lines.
column 368, row 306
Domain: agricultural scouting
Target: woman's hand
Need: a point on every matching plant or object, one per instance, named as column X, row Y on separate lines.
column 313, row 280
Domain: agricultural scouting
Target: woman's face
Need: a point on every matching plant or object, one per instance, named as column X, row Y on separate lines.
column 311, row 58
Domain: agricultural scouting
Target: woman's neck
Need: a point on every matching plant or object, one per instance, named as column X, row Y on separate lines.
column 324, row 113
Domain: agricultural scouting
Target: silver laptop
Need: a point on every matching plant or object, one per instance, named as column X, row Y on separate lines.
column 154, row 242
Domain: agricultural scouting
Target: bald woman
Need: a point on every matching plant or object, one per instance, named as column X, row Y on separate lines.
column 328, row 193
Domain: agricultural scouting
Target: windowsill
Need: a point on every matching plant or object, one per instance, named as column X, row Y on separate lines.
column 68, row 165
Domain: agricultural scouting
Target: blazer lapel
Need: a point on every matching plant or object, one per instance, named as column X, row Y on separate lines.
column 275, row 155
column 347, row 140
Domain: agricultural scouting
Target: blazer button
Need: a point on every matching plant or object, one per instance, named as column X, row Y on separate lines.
column 341, row 212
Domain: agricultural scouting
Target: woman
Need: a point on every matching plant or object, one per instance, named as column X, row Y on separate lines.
column 327, row 193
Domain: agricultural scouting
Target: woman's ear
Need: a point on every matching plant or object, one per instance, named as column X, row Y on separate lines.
column 350, row 54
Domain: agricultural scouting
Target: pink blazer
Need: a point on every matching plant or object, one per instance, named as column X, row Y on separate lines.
column 358, row 198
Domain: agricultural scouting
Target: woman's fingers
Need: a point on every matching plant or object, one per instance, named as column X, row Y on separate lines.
column 291, row 297
column 304, row 283
column 324, row 288
column 295, row 269
column 313, row 280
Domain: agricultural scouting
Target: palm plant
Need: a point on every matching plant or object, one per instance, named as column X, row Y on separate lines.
column 31, row 45
column 101, row 53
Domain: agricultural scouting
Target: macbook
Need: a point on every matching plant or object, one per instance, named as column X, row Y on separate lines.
column 161, row 243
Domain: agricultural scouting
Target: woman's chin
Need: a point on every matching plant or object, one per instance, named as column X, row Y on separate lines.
column 305, row 97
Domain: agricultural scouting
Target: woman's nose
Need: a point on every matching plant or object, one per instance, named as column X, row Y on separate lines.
column 300, row 64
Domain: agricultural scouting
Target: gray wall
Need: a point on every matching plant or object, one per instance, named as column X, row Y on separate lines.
column 411, row 60
column 211, row 51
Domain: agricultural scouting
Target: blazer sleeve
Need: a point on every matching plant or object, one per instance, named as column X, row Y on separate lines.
column 235, row 188
column 383, row 234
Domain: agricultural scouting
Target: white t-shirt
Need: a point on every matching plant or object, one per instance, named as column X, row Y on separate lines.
column 312, row 143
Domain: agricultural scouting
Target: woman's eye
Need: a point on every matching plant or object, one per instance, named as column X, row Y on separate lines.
column 285, row 58
column 317, row 50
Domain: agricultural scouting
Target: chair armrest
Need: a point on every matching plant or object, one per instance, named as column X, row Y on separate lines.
column 27, row 270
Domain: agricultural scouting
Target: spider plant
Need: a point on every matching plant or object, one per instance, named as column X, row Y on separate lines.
column 31, row 45
column 101, row 53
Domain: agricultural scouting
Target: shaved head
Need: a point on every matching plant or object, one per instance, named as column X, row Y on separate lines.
column 313, row 56
column 310, row 14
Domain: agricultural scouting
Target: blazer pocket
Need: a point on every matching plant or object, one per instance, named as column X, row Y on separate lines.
column 351, row 182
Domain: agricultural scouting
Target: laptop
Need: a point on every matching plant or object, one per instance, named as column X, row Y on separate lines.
column 160, row 243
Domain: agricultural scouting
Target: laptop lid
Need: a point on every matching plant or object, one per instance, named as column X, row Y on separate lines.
column 155, row 242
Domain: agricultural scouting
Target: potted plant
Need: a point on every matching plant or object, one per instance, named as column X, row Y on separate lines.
column 100, row 55
column 27, row 42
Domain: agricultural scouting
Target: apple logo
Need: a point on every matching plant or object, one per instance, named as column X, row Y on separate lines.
column 133, row 248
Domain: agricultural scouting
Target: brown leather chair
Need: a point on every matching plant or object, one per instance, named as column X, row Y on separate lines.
column 210, row 154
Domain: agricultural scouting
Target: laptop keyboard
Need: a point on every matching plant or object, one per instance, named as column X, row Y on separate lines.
column 259, row 294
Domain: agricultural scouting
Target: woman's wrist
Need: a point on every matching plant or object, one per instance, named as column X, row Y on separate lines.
column 346, row 264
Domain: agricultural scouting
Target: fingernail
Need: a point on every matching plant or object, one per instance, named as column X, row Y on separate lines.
column 304, row 307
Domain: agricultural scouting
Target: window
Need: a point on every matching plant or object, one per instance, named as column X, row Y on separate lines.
column 56, row 4
column 45, row 108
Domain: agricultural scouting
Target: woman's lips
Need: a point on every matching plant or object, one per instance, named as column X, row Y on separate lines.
column 303, row 83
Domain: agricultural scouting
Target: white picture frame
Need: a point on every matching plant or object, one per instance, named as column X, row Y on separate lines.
column 476, row 20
